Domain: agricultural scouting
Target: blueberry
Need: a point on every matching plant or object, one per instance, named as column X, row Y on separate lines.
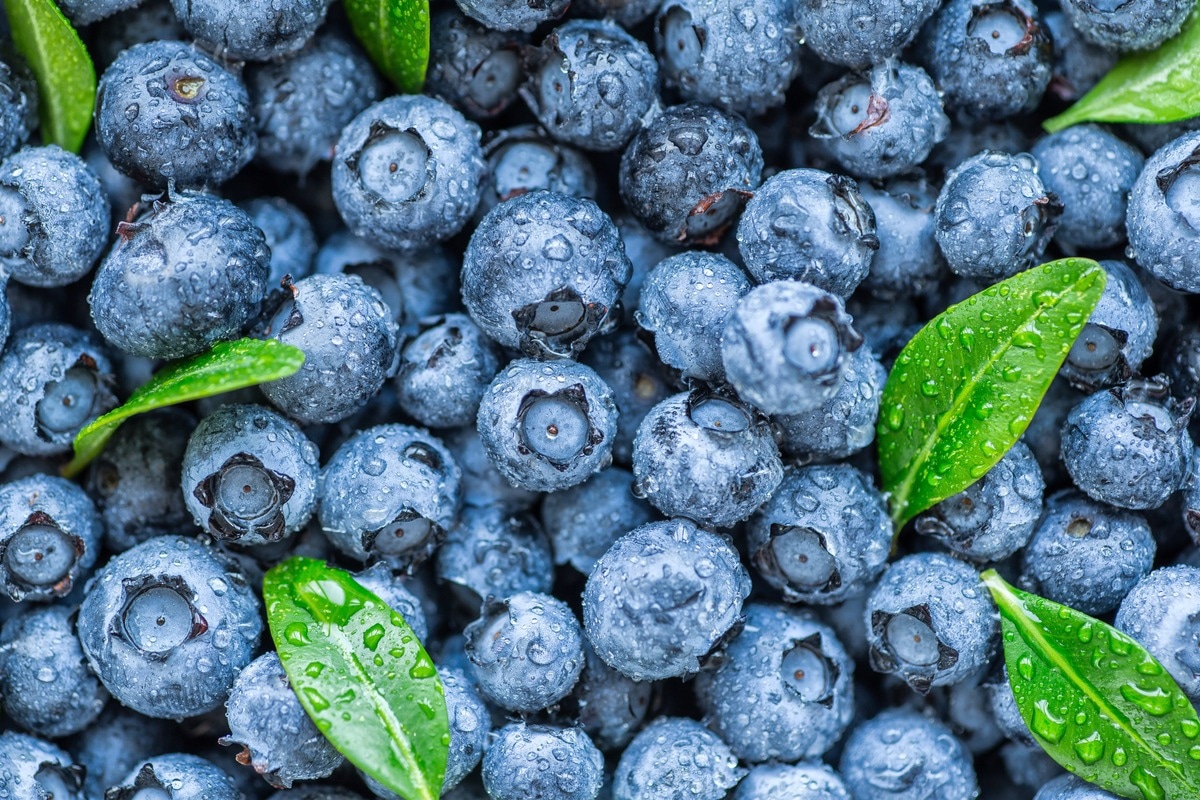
column 551, row 287
column 908, row 262
column 166, row 112
column 146, row 21
column 316, row 792
column 494, row 553
column 1070, row 787
column 806, row 780
column 930, row 622
column 685, row 302
column 995, row 516
column 190, row 270
column 45, row 684
column 407, row 172
column 85, row 12
column 390, row 493
column 444, row 372
column 676, row 759
column 302, row 103
column 167, row 627
column 705, row 456
column 1078, row 63
column 135, row 481
column 687, row 174
column 737, row 58
column 54, row 380
column 1164, row 214
column 33, row 769
column 249, row 475
column 53, row 216
column 880, row 123
column 393, row 589
column 547, row 425
column 176, row 776
column 289, row 236
column 1118, row 336
column 49, row 537
column 853, row 36
column 794, row 672
column 631, row 369
column 627, row 13
column 5, row 313
column 501, row 15
column 523, row 159
column 1092, row 172
column 591, row 84
column 1181, row 360
column 903, row 755
column 1005, row 713
column 970, row 138
column 1129, row 446
column 611, row 706
column 118, row 741
column 1162, row 611
column 662, row 598
column 584, row 521
column 18, row 109
column 845, row 423
column 786, row 345
column 476, row 69
column 1133, row 25
column 543, row 762
column 1153, row 136
column 349, row 341
column 483, row 485
column 526, row 651
column 260, row 29
column 994, row 216
column 277, row 738
column 990, row 59
column 822, row 537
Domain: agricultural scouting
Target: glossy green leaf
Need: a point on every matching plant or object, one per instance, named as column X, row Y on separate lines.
column 224, row 368
column 1153, row 86
column 361, row 674
column 66, row 78
column 395, row 34
column 964, row 389
column 1096, row 701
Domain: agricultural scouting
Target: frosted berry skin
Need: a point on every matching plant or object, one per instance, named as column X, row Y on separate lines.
column 931, row 622
column 390, row 492
column 50, row 537
column 638, row 381
column 503, row 16
column 675, row 758
column 809, row 780
column 249, row 475
column 908, row 262
column 547, row 425
column 444, row 372
column 1164, row 211
column 191, row 123
column 54, row 216
column 994, row 216
column 687, row 174
column 260, row 30
column 845, row 423
column 823, row 537
column 492, row 553
column 1119, row 334
column 349, row 340
column 289, row 235
column 808, row 225
column 881, row 123
column 54, row 380
column 706, row 457
column 853, row 36
column 584, row 521
column 1162, row 612
column 794, row 672
column 407, row 172
column 612, row 706
column 592, row 84
column 1129, row 446
column 117, row 742
column 166, row 626
column 475, row 69
column 178, row 776
column 1070, row 787
column 542, row 761
column 682, row 590
column 543, row 272
column 190, row 270
column 1136, row 25
column 18, row 105
column 524, row 159
column 786, row 346
column 392, row 588
column 45, row 769
column 738, row 58
column 902, row 755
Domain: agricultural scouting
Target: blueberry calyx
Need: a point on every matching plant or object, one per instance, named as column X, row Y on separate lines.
column 810, row 673
column 40, row 544
column 255, row 508
column 145, row 780
column 558, row 326
column 799, row 556
column 157, row 615
column 554, row 426
column 884, row 657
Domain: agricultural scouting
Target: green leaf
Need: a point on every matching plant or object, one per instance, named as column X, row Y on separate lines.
column 964, row 389
column 66, row 78
column 1096, row 701
column 361, row 674
column 395, row 34
column 1160, row 85
column 224, row 368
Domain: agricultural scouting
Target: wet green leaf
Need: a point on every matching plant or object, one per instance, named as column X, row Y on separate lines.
column 1096, row 701
column 964, row 388
column 361, row 675
column 224, row 368
column 395, row 34
column 1152, row 86
column 66, row 77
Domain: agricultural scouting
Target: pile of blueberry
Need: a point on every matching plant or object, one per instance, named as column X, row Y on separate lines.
column 595, row 330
